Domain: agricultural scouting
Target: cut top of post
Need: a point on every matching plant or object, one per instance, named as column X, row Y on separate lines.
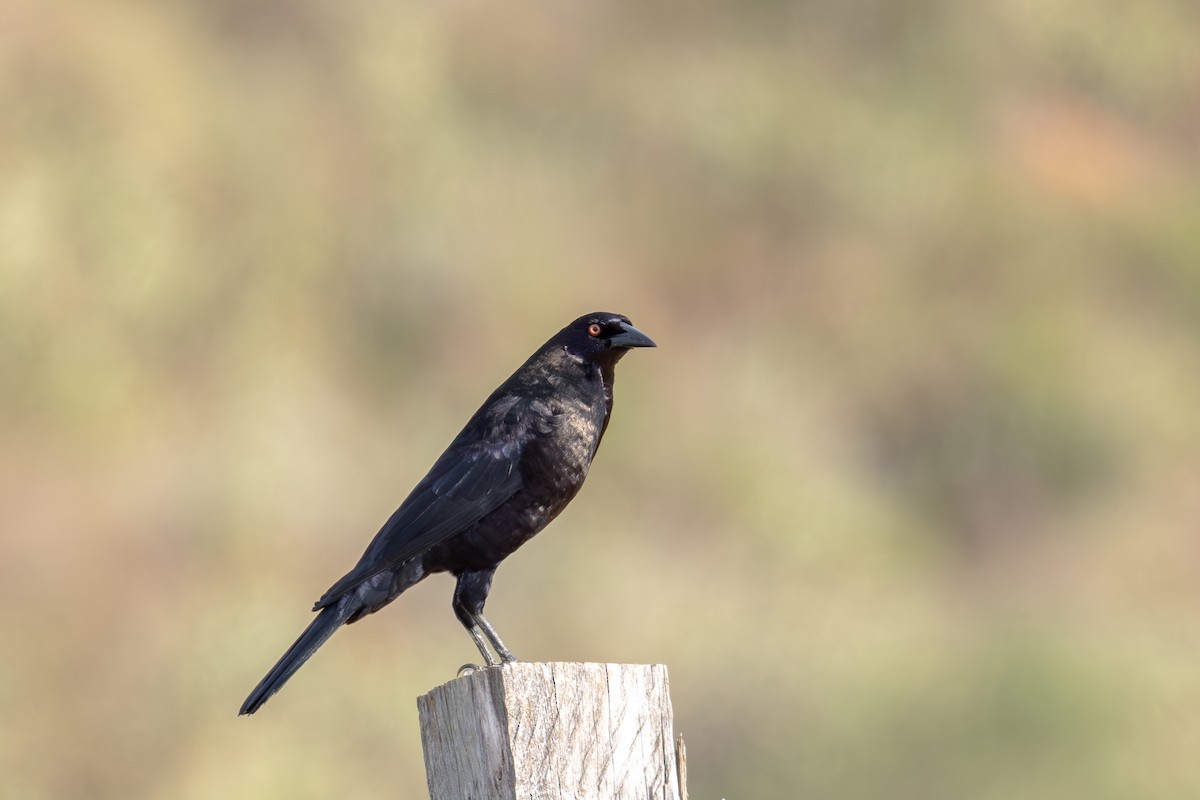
column 551, row 730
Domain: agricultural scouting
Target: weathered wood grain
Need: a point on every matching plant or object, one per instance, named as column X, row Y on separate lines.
column 562, row 730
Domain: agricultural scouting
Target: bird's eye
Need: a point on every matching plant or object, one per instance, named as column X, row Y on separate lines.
column 594, row 329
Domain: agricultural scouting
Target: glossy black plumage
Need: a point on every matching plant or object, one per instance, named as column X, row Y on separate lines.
column 514, row 466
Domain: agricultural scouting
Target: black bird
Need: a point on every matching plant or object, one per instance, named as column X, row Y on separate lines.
column 513, row 468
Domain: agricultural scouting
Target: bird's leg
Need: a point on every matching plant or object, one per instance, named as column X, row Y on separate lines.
column 469, row 595
column 490, row 630
column 468, row 621
column 477, row 637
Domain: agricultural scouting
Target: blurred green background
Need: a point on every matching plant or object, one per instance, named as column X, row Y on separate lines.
column 907, row 498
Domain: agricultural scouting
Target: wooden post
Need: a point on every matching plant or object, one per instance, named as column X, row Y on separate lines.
column 552, row 731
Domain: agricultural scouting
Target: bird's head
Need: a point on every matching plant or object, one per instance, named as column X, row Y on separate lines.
column 601, row 337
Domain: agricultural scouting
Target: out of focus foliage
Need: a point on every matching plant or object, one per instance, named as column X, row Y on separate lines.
column 907, row 498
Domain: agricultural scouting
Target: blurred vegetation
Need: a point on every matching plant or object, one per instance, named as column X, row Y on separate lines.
column 906, row 498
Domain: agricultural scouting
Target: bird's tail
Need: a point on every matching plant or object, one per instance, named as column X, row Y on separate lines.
column 316, row 634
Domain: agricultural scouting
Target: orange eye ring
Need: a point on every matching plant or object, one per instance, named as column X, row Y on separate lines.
column 594, row 329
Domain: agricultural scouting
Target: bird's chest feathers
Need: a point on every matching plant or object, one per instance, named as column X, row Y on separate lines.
column 559, row 459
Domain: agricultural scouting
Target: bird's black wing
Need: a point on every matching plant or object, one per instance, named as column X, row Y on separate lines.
column 477, row 473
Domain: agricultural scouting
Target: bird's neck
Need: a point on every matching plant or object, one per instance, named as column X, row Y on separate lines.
column 608, row 374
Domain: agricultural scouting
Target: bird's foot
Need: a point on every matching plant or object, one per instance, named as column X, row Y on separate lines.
column 468, row 669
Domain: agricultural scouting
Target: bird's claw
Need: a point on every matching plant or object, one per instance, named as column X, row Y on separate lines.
column 468, row 669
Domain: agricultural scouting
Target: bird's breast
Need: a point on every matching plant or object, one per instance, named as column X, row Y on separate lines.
column 553, row 464
column 558, row 461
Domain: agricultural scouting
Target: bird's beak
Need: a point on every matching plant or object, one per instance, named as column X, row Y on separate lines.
column 631, row 337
